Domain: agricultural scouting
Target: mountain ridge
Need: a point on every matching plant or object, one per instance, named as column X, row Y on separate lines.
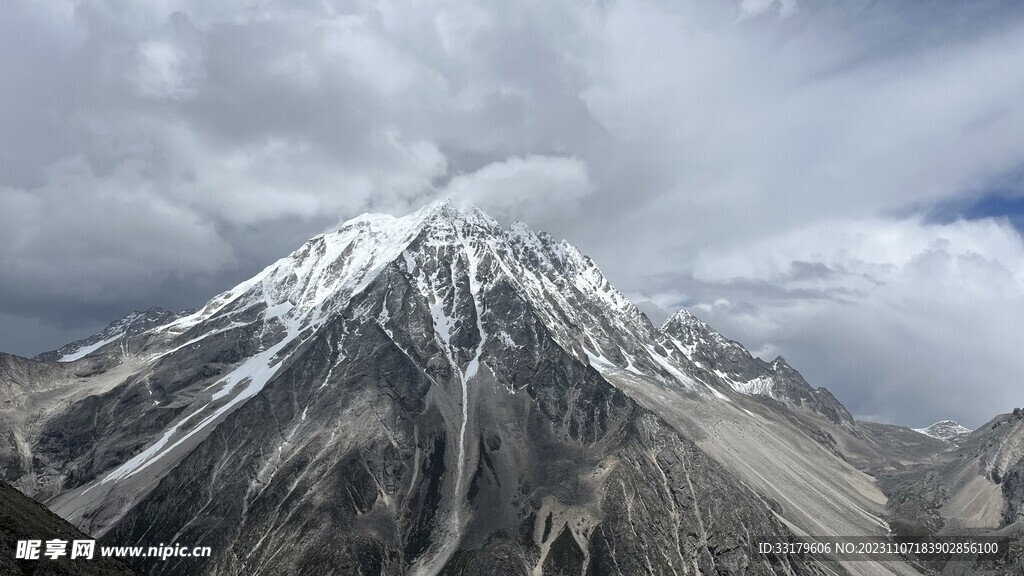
column 744, row 373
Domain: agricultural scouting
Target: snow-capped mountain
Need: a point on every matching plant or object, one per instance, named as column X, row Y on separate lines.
column 948, row 430
column 437, row 394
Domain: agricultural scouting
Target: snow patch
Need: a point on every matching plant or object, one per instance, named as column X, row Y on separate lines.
column 598, row 361
column 760, row 386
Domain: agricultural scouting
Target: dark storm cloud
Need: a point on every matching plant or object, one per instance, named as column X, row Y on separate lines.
column 753, row 160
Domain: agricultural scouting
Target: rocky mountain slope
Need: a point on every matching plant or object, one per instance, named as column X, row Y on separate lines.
column 435, row 394
column 973, row 490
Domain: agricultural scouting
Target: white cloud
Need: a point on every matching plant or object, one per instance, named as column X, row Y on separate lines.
column 912, row 321
column 534, row 188
column 164, row 71
column 878, row 248
column 834, row 113
column 752, row 8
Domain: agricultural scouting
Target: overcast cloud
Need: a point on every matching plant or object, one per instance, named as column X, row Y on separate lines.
column 774, row 166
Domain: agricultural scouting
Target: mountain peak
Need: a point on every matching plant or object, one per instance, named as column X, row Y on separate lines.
column 693, row 331
column 452, row 211
column 733, row 364
column 444, row 211
column 686, row 318
column 307, row 286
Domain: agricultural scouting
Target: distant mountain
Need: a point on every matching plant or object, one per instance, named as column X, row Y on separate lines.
column 436, row 394
column 947, row 430
column 131, row 325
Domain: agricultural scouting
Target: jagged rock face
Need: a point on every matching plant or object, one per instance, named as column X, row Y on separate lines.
column 1013, row 492
column 20, row 377
column 717, row 353
column 406, row 396
column 33, row 393
column 1009, row 463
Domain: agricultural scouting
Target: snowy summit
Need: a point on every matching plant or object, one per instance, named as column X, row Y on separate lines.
column 948, row 430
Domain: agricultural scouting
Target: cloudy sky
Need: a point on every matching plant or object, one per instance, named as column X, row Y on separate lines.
column 841, row 183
